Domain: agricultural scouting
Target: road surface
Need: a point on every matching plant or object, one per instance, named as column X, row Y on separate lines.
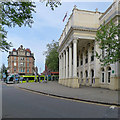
column 18, row 103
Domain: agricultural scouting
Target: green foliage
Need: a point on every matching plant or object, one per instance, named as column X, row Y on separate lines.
column 17, row 13
column 108, row 38
column 12, row 14
column 3, row 70
column 52, row 60
column 53, row 3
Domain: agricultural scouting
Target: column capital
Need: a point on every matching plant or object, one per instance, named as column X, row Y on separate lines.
column 64, row 51
column 60, row 56
column 67, row 49
column 74, row 40
column 70, row 45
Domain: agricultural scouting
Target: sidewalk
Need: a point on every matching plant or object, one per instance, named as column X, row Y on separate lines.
column 84, row 93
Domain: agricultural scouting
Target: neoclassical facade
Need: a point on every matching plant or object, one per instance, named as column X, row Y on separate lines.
column 77, row 46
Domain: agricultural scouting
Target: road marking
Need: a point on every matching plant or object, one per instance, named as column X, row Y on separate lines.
column 68, row 98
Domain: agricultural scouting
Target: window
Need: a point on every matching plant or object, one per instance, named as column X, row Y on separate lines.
column 28, row 54
column 109, row 74
column 81, row 59
column 77, row 61
column 92, row 56
column 14, row 69
column 22, row 58
column 21, row 64
column 81, row 76
column 14, row 63
column 27, row 64
column 86, row 60
column 27, row 70
column 14, row 53
column 14, row 58
column 24, row 64
column 103, row 75
column 77, row 74
column 86, row 74
column 41, row 78
column 28, row 59
column 92, row 77
column 23, row 69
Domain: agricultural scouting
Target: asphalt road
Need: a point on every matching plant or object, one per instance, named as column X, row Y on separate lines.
column 19, row 103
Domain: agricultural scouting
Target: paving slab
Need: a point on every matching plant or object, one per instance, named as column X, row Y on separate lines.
column 99, row 95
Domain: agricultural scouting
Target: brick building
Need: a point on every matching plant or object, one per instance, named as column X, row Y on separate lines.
column 21, row 61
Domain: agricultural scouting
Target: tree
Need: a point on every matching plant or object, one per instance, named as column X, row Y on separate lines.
column 52, row 60
column 108, row 38
column 3, row 70
column 17, row 13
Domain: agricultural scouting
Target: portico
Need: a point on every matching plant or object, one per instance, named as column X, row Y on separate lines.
column 77, row 46
column 69, row 66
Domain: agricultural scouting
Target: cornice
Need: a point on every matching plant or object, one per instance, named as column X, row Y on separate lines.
column 20, row 56
column 106, row 11
column 112, row 17
column 79, row 28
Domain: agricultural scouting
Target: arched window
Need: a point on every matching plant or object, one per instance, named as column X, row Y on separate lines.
column 81, row 76
column 103, row 75
column 77, row 74
column 86, row 60
column 92, row 76
column 92, row 55
column 81, row 58
column 108, row 74
column 86, row 74
column 77, row 61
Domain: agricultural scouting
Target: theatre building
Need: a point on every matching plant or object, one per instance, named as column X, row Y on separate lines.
column 77, row 45
column 21, row 61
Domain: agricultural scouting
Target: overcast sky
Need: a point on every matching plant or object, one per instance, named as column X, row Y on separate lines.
column 47, row 26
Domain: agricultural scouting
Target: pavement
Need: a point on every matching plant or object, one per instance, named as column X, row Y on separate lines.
column 84, row 93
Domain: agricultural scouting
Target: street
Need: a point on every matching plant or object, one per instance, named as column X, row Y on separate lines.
column 19, row 103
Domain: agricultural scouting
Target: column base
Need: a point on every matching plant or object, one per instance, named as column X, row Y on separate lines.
column 70, row 82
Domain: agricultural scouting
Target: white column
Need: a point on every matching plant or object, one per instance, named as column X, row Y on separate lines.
column 74, row 58
column 59, row 67
column 70, row 60
column 66, row 63
column 62, row 65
